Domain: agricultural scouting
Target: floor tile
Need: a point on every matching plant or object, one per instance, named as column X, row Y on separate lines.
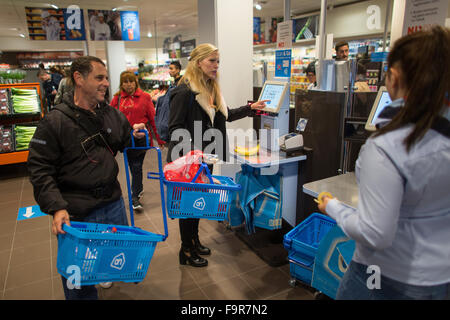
column 167, row 285
column 233, row 288
column 266, row 281
column 33, row 224
column 27, row 238
column 7, row 227
column 27, row 273
column 9, row 211
column 213, row 273
column 30, row 254
column 39, row 290
column 6, row 242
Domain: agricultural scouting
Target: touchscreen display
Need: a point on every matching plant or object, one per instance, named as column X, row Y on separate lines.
column 272, row 92
column 382, row 103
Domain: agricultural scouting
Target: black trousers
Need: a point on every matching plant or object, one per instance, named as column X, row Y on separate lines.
column 188, row 232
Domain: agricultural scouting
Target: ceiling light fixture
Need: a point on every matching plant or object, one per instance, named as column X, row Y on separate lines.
column 22, row 35
column 149, row 35
column 114, row 9
column 54, row 6
column 258, row 6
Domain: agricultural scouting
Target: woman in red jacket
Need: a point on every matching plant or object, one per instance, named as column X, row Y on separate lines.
column 138, row 107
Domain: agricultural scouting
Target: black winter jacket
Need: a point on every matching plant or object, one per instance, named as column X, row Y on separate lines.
column 186, row 107
column 67, row 176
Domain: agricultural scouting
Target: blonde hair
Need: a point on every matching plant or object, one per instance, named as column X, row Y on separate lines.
column 194, row 79
column 127, row 76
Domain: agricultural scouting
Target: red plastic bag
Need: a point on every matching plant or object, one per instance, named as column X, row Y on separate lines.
column 185, row 168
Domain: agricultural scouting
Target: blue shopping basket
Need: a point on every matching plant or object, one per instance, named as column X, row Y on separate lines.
column 91, row 253
column 200, row 200
column 302, row 243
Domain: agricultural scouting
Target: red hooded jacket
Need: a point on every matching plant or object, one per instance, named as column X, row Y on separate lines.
column 138, row 108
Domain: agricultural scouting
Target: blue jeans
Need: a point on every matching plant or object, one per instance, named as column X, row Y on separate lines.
column 112, row 213
column 354, row 287
column 135, row 162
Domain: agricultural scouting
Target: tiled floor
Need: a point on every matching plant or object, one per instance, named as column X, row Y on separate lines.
column 28, row 253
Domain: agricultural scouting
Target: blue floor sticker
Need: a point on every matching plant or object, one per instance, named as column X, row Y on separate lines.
column 29, row 213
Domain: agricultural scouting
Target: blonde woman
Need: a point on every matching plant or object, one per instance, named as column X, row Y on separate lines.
column 197, row 103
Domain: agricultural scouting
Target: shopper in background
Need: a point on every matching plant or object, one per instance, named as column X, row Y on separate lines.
column 311, row 75
column 402, row 221
column 72, row 163
column 174, row 71
column 64, row 86
column 137, row 106
column 163, row 103
column 197, row 98
column 56, row 74
column 49, row 86
column 342, row 51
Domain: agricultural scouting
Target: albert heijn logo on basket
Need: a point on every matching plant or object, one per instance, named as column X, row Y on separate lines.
column 118, row 262
column 200, row 204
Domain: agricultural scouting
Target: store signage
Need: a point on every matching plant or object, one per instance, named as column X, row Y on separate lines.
column 113, row 25
column 374, row 17
column 52, row 24
column 187, row 47
column 304, row 28
column 29, row 213
column 284, row 34
column 283, row 63
column 420, row 15
column 74, row 23
column 130, row 25
column 256, row 30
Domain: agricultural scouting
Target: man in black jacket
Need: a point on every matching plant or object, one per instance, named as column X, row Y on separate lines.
column 72, row 162
column 50, row 87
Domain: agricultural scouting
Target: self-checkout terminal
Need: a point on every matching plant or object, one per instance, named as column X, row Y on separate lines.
column 275, row 120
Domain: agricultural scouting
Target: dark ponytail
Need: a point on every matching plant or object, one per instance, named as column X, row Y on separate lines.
column 424, row 61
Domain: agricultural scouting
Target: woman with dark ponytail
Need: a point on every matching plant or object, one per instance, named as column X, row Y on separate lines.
column 402, row 222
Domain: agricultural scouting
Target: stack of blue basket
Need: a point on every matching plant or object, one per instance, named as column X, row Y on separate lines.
column 302, row 243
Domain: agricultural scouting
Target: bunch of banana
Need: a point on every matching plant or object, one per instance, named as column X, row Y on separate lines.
column 75, row 34
column 244, row 151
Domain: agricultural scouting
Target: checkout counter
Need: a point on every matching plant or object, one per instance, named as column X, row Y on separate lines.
column 331, row 126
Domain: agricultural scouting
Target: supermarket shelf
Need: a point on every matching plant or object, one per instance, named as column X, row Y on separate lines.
column 10, row 119
column 13, row 157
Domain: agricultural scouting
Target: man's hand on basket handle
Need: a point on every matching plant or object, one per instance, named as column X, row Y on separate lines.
column 59, row 218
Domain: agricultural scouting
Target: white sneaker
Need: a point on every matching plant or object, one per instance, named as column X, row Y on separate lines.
column 106, row 285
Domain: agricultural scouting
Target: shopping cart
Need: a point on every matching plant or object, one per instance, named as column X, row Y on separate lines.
column 91, row 253
column 199, row 200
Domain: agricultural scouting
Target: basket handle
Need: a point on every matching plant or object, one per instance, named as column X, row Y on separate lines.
column 203, row 166
column 161, row 179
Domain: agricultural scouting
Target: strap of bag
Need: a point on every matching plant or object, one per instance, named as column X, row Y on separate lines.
column 85, row 125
